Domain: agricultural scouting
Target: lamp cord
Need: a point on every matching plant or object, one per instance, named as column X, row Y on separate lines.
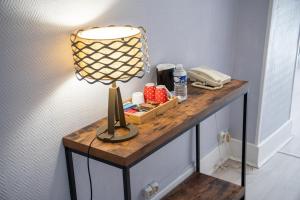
column 88, row 162
column 88, row 166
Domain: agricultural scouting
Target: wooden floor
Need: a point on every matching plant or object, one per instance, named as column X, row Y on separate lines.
column 278, row 179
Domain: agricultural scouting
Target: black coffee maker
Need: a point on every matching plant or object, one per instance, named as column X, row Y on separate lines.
column 165, row 76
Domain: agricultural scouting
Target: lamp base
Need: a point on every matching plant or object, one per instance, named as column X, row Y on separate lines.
column 116, row 130
column 121, row 133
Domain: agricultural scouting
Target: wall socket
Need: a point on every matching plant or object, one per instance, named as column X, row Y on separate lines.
column 150, row 190
column 224, row 137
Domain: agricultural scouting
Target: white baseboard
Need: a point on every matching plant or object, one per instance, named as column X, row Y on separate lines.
column 258, row 155
column 274, row 143
column 236, row 153
column 187, row 172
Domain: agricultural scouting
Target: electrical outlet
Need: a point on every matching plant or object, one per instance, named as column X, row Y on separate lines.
column 148, row 192
column 151, row 190
column 221, row 137
column 224, row 137
column 228, row 137
column 155, row 187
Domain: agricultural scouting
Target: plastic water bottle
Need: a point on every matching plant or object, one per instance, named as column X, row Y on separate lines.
column 180, row 83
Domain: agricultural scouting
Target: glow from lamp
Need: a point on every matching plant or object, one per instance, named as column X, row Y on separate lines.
column 61, row 12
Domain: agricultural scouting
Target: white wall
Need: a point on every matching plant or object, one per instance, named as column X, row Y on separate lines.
column 295, row 114
column 279, row 69
column 41, row 100
column 267, row 33
column 250, row 43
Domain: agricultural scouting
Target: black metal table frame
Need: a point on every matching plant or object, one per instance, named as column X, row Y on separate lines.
column 126, row 169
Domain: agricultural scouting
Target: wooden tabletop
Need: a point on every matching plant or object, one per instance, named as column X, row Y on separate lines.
column 199, row 105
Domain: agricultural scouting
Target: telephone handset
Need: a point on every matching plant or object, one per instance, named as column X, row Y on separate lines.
column 204, row 77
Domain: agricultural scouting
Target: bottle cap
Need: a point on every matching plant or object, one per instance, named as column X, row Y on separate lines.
column 179, row 66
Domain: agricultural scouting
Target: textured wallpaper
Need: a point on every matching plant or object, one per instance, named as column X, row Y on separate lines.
column 280, row 66
column 41, row 100
column 295, row 114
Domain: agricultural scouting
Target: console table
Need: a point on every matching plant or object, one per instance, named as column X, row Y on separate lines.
column 159, row 132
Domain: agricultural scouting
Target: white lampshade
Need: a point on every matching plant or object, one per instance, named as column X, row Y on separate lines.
column 108, row 54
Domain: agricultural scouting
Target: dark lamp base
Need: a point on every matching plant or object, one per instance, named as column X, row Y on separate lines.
column 121, row 133
column 116, row 130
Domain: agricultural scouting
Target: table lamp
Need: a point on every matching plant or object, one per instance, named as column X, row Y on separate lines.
column 106, row 55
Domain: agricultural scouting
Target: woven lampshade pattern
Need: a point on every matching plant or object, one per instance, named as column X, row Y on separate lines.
column 109, row 60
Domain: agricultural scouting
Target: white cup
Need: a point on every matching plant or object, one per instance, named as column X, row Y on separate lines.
column 138, row 98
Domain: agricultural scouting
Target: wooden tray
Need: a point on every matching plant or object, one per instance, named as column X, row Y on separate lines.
column 151, row 114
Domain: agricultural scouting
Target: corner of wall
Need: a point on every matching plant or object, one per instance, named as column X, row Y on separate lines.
column 272, row 144
column 264, row 65
column 258, row 155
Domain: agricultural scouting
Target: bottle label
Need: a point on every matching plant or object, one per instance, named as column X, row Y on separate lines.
column 180, row 79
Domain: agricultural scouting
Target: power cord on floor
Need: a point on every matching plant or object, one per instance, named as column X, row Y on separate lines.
column 221, row 161
column 223, row 164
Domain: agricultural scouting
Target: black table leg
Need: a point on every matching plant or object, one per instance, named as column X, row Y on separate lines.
column 126, row 183
column 71, row 175
column 244, row 142
column 197, row 148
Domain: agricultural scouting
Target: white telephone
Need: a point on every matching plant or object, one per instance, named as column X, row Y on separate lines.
column 207, row 78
